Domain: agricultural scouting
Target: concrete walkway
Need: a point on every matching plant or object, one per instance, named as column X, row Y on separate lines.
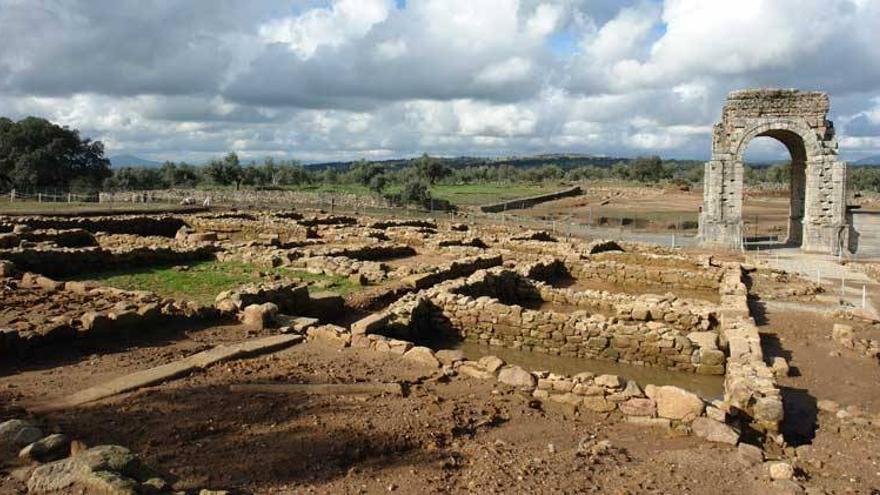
column 843, row 281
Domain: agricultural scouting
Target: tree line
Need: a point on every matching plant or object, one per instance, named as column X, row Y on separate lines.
column 35, row 153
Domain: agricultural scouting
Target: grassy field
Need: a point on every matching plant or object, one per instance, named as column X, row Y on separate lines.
column 481, row 194
column 202, row 281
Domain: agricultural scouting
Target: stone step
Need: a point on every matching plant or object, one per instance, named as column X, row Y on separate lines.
column 176, row 369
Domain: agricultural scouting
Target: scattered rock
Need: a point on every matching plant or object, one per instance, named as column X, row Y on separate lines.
column 50, row 448
column 260, row 315
column 422, row 355
column 449, row 356
column 517, row 377
column 829, row 406
column 714, row 431
column 491, row 363
column 780, row 470
column 15, row 434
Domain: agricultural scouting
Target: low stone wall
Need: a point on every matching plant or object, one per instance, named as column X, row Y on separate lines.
column 327, row 220
column 285, row 230
column 64, row 262
column 749, row 384
column 620, row 273
column 266, row 198
column 385, row 224
column 61, row 238
column 483, row 309
column 62, row 313
column 370, row 252
column 455, row 269
column 162, row 225
column 290, row 297
column 517, row 204
column 666, row 407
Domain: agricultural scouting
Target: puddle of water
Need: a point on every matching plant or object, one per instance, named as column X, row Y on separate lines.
column 706, row 386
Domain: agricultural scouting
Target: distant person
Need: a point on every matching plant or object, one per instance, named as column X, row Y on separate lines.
column 207, row 202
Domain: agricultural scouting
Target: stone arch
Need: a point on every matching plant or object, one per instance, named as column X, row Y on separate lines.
column 797, row 120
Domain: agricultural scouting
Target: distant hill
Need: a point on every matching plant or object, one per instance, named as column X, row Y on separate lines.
column 564, row 161
column 132, row 161
column 871, row 160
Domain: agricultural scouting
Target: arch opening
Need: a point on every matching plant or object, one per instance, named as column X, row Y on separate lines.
column 773, row 216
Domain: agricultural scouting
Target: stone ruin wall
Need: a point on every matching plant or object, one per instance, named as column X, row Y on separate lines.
column 626, row 274
column 63, row 262
column 143, row 225
column 84, row 311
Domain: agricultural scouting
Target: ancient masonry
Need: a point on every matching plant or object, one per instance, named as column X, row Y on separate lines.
column 797, row 119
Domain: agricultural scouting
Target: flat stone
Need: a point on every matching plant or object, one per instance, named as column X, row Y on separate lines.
column 650, row 422
column 491, row 363
column 704, row 340
column 371, row 323
column 609, row 381
column 176, row 369
column 517, row 377
column 638, row 407
column 474, row 370
column 675, row 403
column 598, row 404
column 422, row 355
column 714, row 431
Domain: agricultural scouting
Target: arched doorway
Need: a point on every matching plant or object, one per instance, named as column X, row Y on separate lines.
column 818, row 187
column 774, row 164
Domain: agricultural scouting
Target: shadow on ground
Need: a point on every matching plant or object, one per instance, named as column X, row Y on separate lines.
column 208, row 436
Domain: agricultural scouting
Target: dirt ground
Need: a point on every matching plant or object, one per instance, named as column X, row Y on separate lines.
column 661, row 209
column 461, row 436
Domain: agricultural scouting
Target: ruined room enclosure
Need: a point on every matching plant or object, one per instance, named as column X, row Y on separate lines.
column 502, row 308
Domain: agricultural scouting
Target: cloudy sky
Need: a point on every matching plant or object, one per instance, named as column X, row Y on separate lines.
column 324, row 80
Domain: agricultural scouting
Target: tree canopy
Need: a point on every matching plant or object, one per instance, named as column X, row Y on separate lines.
column 37, row 153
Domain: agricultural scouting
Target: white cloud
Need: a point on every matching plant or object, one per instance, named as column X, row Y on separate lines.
column 331, row 26
column 336, row 79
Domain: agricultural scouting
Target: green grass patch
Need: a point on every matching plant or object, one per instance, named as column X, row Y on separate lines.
column 482, row 194
column 201, row 281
